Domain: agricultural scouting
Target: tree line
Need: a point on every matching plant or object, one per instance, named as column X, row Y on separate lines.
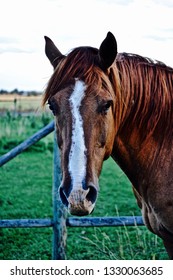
column 20, row 92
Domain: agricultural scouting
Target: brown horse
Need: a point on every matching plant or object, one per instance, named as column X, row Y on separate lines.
column 114, row 104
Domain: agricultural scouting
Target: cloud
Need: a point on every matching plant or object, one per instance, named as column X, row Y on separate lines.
column 162, row 34
column 12, row 49
column 159, row 38
column 13, row 45
column 117, row 2
column 167, row 3
column 8, row 40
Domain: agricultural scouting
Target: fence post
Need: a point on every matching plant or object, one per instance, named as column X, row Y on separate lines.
column 59, row 211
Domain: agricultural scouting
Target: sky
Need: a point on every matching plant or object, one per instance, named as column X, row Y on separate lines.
column 143, row 27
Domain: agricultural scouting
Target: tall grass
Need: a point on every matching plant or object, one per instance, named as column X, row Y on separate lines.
column 145, row 245
column 15, row 129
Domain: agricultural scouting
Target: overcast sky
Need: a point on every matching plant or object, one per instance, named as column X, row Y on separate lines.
column 144, row 27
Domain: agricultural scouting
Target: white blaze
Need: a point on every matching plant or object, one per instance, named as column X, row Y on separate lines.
column 77, row 156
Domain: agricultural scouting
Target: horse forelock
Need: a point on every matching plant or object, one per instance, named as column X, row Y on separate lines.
column 81, row 63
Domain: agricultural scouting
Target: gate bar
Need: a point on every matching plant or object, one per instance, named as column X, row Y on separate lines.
column 26, row 223
column 75, row 222
column 105, row 221
column 27, row 143
column 59, row 210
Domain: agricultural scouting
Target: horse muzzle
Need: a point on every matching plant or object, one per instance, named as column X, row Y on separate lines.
column 80, row 202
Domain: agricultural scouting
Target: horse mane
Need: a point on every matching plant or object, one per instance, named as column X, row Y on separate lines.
column 146, row 95
column 142, row 88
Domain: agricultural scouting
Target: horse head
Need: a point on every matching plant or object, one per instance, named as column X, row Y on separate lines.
column 82, row 99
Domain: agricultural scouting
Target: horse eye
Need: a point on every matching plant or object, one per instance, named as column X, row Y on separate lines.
column 105, row 107
column 52, row 107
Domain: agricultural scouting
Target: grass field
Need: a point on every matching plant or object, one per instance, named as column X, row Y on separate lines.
column 25, row 192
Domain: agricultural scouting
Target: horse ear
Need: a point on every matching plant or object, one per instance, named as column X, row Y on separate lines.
column 52, row 51
column 108, row 51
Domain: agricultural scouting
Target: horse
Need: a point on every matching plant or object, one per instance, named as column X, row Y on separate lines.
column 114, row 104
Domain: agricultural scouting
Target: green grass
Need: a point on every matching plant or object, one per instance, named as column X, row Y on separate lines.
column 14, row 130
column 26, row 186
column 26, row 192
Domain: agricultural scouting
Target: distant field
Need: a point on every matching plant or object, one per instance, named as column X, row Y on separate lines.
column 19, row 103
column 11, row 97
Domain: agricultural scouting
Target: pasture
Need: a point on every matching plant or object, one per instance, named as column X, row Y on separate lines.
column 25, row 192
column 19, row 103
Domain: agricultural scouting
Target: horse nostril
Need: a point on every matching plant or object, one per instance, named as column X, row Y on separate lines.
column 63, row 197
column 92, row 194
